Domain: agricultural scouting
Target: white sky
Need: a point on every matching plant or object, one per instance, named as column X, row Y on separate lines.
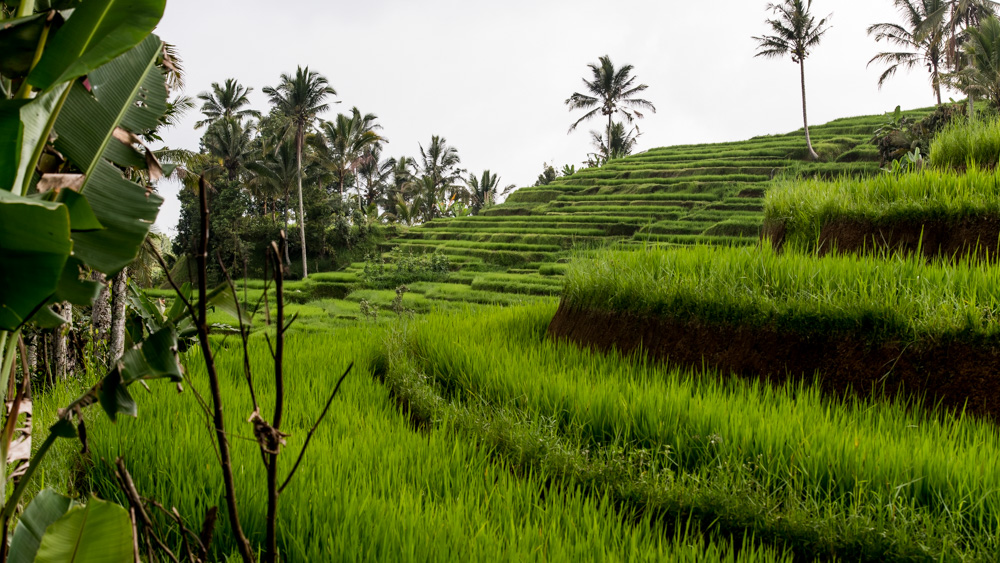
column 492, row 76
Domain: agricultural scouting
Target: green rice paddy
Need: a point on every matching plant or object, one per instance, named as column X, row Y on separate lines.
column 465, row 433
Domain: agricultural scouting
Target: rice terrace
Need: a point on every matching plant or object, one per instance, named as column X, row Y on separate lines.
column 234, row 328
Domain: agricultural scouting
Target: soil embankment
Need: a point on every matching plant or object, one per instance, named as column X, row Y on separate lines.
column 975, row 236
column 955, row 374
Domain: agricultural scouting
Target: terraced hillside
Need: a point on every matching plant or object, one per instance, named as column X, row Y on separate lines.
column 707, row 193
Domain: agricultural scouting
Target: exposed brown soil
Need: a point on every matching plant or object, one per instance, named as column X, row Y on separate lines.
column 956, row 374
column 976, row 236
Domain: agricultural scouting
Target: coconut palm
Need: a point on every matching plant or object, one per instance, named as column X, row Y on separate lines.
column 926, row 48
column 229, row 101
column 619, row 143
column 300, row 98
column 403, row 211
column 440, row 166
column 376, row 173
column 483, row 190
column 610, row 92
column 343, row 143
column 231, row 144
column 796, row 31
column 953, row 17
column 404, row 171
column 983, row 48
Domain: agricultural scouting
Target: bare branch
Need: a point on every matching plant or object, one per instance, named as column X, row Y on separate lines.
column 312, row 430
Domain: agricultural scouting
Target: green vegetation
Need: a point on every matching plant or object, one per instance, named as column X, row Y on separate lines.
column 967, row 144
column 906, row 299
column 795, row 34
column 387, row 490
column 819, row 476
column 804, row 207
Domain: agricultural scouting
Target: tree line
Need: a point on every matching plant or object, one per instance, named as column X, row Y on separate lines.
column 957, row 41
column 329, row 179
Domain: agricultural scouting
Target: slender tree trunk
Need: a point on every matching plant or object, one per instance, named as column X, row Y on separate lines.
column 100, row 318
column 60, row 348
column 118, row 296
column 288, row 259
column 936, row 79
column 32, row 354
column 43, row 348
column 302, row 214
column 805, row 121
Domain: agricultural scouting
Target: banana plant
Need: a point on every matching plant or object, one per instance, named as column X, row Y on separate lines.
column 79, row 82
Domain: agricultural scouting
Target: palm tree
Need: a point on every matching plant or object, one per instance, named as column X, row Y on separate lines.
column 952, row 18
column 403, row 211
column 225, row 102
column 275, row 174
column 439, row 165
column 619, row 143
column 300, row 98
column 918, row 48
column 376, row 172
column 232, row 145
column 611, row 91
column 344, row 141
column 796, row 31
column 483, row 190
column 983, row 49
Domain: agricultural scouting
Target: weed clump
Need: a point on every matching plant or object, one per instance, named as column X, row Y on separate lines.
column 403, row 268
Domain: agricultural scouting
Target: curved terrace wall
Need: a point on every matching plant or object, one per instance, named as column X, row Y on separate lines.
column 954, row 373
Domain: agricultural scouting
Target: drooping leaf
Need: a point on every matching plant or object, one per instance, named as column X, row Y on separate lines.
column 153, row 358
column 97, row 32
column 129, row 89
column 34, row 239
column 114, row 396
column 71, row 288
column 98, row 532
column 47, row 507
column 24, row 126
column 81, row 216
column 18, row 40
column 63, row 428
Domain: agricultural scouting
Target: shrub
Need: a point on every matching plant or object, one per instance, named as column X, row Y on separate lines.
column 961, row 143
column 404, row 268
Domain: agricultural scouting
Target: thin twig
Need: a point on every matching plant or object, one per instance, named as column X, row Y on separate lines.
column 288, row 325
column 128, row 487
column 242, row 544
column 312, row 430
column 243, row 331
column 271, row 459
column 185, row 531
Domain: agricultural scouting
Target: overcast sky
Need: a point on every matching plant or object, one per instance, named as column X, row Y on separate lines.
column 492, row 76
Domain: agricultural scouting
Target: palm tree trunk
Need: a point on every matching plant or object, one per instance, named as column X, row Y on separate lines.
column 936, row 79
column 100, row 319
column 302, row 214
column 60, row 348
column 288, row 259
column 805, row 121
column 118, row 288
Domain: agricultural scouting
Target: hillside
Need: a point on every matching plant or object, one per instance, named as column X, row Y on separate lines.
column 686, row 194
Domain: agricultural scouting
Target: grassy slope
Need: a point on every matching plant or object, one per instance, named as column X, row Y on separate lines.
column 688, row 194
column 702, row 193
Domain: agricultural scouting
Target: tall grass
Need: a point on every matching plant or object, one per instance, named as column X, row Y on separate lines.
column 372, row 487
column 897, row 298
column 967, row 142
column 804, row 206
column 865, row 482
